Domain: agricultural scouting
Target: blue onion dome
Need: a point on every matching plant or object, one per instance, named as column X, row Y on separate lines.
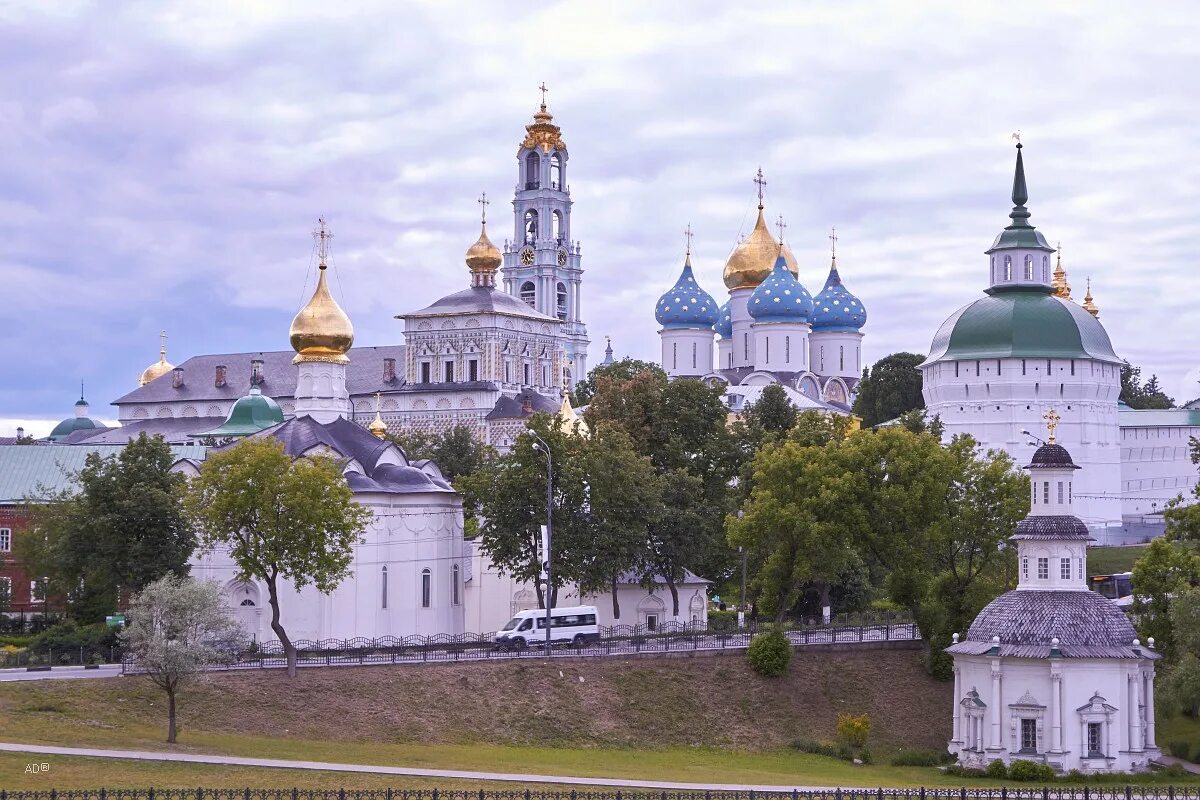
column 835, row 309
column 780, row 297
column 724, row 324
column 686, row 305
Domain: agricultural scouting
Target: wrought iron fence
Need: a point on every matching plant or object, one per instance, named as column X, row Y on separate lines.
column 670, row 637
column 58, row 657
column 1146, row 792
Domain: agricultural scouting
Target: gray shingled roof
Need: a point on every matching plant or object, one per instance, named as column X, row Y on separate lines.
column 1035, row 616
column 508, row 407
column 1052, row 455
column 364, row 375
column 1052, row 527
column 482, row 300
column 176, row 429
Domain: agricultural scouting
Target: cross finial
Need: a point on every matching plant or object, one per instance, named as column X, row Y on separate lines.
column 1017, row 137
column 376, row 401
column 761, row 183
column 833, row 243
column 162, row 344
column 1052, row 419
column 781, row 225
column 322, row 235
column 687, row 232
column 542, row 88
column 483, row 204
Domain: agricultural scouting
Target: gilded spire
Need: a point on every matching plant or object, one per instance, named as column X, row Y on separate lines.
column 160, row 367
column 321, row 331
column 1089, row 305
column 483, row 257
column 542, row 132
column 754, row 257
column 1052, row 419
column 1059, row 283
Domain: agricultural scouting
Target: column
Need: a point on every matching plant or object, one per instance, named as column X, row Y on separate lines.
column 996, row 707
column 1135, row 707
column 956, row 708
column 1130, row 713
column 1148, row 677
column 1055, row 712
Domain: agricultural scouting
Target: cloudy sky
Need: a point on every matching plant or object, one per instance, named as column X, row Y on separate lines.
column 164, row 163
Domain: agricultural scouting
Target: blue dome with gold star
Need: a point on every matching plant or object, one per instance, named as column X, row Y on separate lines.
column 780, row 297
column 724, row 325
column 835, row 309
column 686, row 305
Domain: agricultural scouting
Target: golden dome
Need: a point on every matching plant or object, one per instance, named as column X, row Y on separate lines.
column 160, row 367
column 483, row 256
column 543, row 133
column 753, row 259
column 378, row 427
column 321, row 331
column 1059, row 282
column 1089, row 305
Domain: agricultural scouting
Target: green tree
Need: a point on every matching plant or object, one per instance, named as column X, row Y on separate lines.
column 889, row 388
column 457, row 451
column 1181, row 681
column 773, row 413
column 279, row 519
column 120, row 529
column 1166, row 568
column 621, row 370
column 1136, row 394
column 177, row 628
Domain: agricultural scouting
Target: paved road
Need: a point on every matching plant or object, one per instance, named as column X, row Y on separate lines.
column 508, row 777
column 60, row 673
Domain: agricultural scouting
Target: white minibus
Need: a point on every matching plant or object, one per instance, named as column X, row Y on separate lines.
column 574, row 624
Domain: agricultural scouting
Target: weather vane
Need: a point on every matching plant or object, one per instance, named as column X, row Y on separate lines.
column 1052, row 419
column 761, row 183
column 483, row 204
column 687, row 232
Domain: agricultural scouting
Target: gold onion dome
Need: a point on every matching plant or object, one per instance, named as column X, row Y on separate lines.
column 1062, row 288
column 1089, row 305
column 378, row 427
column 160, row 367
column 321, row 331
column 752, row 260
column 483, row 256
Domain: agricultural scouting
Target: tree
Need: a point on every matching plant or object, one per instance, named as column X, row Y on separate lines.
column 279, row 519
column 1181, row 681
column 773, row 413
column 889, row 388
column 177, row 626
column 1166, row 569
column 1136, row 394
column 621, row 370
column 457, row 451
column 123, row 528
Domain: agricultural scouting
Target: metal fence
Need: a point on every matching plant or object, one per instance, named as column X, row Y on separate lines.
column 1162, row 792
column 59, row 657
column 613, row 640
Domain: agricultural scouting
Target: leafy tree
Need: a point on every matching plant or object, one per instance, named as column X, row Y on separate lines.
column 769, row 653
column 122, row 529
column 1165, row 569
column 621, row 370
column 818, row 428
column 1181, row 681
column 177, row 627
column 917, row 421
column 889, row 388
column 773, row 413
column 279, row 519
column 457, row 451
column 1136, row 394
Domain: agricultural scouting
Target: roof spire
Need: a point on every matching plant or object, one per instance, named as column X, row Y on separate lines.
column 1020, row 192
column 781, row 225
column 758, row 178
column 1088, row 304
column 687, row 233
column 1059, row 283
column 162, row 344
column 833, row 248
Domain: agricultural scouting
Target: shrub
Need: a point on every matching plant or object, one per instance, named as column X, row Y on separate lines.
column 853, row 729
column 769, row 653
column 1030, row 771
column 997, row 769
column 828, row 749
column 921, row 758
column 66, row 635
column 864, row 755
column 965, row 772
column 722, row 621
column 1179, row 748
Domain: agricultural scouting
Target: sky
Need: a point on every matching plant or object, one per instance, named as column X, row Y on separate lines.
column 164, row 164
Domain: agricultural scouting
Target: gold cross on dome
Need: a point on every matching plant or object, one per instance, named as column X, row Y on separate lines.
column 1052, row 417
column 761, row 183
column 162, row 343
column 542, row 88
column 687, row 232
column 780, row 224
column 483, row 204
column 322, row 235
column 377, row 401
column 833, row 242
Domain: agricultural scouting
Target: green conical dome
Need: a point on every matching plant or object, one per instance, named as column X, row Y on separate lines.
column 79, row 422
column 250, row 414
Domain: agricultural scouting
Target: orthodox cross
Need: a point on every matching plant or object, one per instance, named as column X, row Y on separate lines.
column 687, row 232
column 162, row 343
column 543, row 90
column 322, row 235
column 1052, row 419
column 1017, row 136
column 779, row 223
column 761, row 183
column 377, row 402
column 833, row 243
column 483, row 204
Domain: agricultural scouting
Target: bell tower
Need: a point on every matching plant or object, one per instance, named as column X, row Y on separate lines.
column 541, row 262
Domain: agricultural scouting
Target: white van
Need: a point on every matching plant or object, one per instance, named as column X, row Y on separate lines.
column 574, row 624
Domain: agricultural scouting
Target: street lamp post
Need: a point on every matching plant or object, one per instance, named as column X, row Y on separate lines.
column 541, row 446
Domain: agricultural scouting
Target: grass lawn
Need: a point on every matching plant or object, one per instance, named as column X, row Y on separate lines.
column 1179, row 729
column 1109, row 560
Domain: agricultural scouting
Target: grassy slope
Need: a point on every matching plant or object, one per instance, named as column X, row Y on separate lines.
column 1109, row 560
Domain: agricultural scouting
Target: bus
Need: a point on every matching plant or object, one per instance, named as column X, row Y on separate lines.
column 1117, row 587
column 574, row 624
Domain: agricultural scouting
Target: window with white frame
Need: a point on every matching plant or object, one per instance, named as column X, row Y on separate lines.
column 1095, row 740
column 1029, row 735
column 1064, row 568
column 1043, row 565
column 1025, row 569
column 5, row 540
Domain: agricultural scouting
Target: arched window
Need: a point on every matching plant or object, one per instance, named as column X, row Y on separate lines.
column 562, row 296
column 787, row 349
column 531, row 227
column 383, row 583
column 555, row 172
column 1028, row 268
column 528, row 293
column 693, row 355
column 674, row 355
column 1045, row 269
column 426, row 588
column 454, row 585
column 532, row 167
column 1008, row 268
column 556, row 226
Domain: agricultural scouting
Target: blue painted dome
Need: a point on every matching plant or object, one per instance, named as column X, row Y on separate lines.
column 724, row 324
column 686, row 305
column 780, row 297
column 835, row 309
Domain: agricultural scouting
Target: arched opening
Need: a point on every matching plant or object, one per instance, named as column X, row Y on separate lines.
column 426, row 588
column 383, row 587
column 528, row 293
column 556, row 226
column 531, row 227
column 1008, row 268
column 454, row 597
column 562, row 299
column 555, row 172
column 1045, row 269
column 1028, row 268
column 532, row 166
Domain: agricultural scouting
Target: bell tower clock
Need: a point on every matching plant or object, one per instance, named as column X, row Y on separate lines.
column 541, row 264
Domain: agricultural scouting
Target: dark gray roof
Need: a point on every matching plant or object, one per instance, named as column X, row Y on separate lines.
column 481, row 300
column 364, row 375
column 659, row 581
column 1052, row 527
column 1034, row 617
column 457, row 386
column 1051, row 455
column 351, row 441
column 83, row 435
column 1043, row 650
column 512, row 407
column 176, row 429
